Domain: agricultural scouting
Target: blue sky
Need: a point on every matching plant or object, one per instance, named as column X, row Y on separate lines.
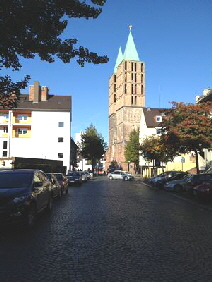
column 173, row 37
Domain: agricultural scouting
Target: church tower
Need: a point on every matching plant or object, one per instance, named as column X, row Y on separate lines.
column 126, row 100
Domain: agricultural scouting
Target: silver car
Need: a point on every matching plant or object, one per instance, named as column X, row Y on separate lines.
column 119, row 174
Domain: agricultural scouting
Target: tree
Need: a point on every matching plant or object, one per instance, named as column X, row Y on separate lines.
column 153, row 148
column 188, row 127
column 30, row 28
column 132, row 148
column 92, row 145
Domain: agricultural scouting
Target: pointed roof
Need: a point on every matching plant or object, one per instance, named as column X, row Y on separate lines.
column 118, row 59
column 130, row 50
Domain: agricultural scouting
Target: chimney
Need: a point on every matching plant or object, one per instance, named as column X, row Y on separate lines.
column 35, row 92
column 44, row 93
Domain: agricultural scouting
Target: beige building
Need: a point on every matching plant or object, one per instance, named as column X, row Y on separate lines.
column 126, row 100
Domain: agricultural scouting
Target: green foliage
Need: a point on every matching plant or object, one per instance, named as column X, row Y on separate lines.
column 34, row 27
column 132, row 148
column 93, row 145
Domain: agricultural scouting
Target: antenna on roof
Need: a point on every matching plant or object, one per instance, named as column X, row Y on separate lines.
column 159, row 96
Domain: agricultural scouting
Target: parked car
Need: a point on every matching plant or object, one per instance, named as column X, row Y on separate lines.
column 203, row 191
column 56, row 187
column 177, row 185
column 74, row 178
column 84, row 176
column 169, row 176
column 119, row 174
column 63, row 181
column 196, row 179
column 24, row 193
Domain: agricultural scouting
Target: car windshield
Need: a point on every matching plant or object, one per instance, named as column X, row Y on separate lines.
column 59, row 177
column 15, row 180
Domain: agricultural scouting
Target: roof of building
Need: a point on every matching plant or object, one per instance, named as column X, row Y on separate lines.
column 130, row 53
column 205, row 97
column 150, row 116
column 118, row 59
column 54, row 102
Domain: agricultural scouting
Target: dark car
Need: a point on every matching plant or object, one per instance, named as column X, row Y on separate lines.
column 63, row 181
column 169, row 176
column 196, row 179
column 203, row 191
column 56, row 187
column 74, row 178
column 24, row 193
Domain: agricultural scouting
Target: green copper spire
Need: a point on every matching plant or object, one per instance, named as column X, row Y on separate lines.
column 130, row 53
column 118, row 59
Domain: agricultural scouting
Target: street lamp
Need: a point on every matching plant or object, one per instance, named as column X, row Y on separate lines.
column 128, row 165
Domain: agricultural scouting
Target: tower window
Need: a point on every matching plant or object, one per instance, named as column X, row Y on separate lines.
column 131, row 88
column 141, row 67
column 131, row 76
column 142, row 88
column 131, row 66
column 114, row 100
column 135, row 77
column 135, row 100
column 114, row 87
column 135, row 66
column 114, row 78
column 125, row 88
column 125, row 65
column 131, row 100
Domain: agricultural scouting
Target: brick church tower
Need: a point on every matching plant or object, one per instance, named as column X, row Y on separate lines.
column 126, row 100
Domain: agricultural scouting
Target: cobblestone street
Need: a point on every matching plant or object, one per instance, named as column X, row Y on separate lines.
column 112, row 231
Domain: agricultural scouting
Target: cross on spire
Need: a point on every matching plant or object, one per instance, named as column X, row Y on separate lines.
column 130, row 27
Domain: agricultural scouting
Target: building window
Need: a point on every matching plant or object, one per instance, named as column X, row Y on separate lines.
column 4, row 145
column 114, row 78
column 131, row 66
column 22, row 131
column 4, row 153
column 131, row 100
column 142, row 89
column 60, row 139
column 22, row 117
column 141, row 67
column 135, row 78
column 60, row 124
column 5, row 129
column 60, row 155
column 158, row 130
column 125, row 65
column 114, row 87
column 158, row 118
column 135, row 66
column 135, row 100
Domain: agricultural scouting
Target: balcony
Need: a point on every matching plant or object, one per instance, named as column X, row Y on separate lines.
column 15, row 120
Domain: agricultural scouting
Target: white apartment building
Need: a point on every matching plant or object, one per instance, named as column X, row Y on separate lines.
column 39, row 127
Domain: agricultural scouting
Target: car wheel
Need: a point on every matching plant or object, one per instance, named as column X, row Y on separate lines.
column 110, row 177
column 178, row 188
column 31, row 216
column 125, row 178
